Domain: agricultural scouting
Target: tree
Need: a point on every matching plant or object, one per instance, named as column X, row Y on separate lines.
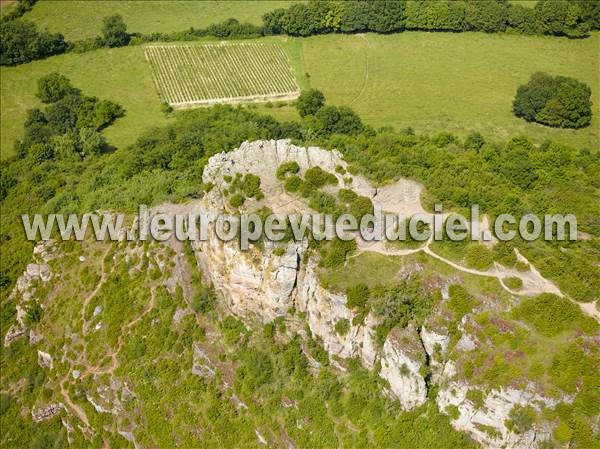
column 66, row 145
column 62, row 115
column 327, row 117
column 21, row 42
column 34, row 116
column 348, row 122
column 305, row 19
column 532, row 97
column 54, row 87
column 474, row 141
column 114, row 31
column 521, row 19
column 516, row 163
column 489, row 16
column 92, row 142
column 386, row 16
column 309, row 102
column 551, row 15
column 355, row 17
column 570, row 107
column 560, row 101
column 272, row 22
column 105, row 112
column 40, row 152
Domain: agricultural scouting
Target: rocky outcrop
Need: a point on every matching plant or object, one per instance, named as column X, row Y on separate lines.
column 263, row 283
column 44, row 359
column 24, row 290
column 46, row 412
column 486, row 422
column 110, row 398
column 201, row 364
column 324, row 309
column 270, row 278
column 14, row 331
column 402, row 359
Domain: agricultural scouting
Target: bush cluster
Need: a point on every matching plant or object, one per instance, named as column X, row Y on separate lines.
column 69, row 126
column 320, row 119
column 554, row 101
column 551, row 315
column 20, row 41
column 242, row 187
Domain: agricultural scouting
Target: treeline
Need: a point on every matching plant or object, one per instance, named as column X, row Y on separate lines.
column 517, row 177
column 22, row 42
column 573, row 18
column 18, row 9
column 228, row 29
column 114, row 34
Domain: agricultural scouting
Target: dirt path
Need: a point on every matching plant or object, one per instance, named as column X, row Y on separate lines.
column 533, row 282
column 76, row 409
column 94, row 292
column 363, row 88
column 79, row 412
column 90, row 370
column 114, row 364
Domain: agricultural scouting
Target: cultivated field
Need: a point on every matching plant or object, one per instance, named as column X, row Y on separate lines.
column 201, row 75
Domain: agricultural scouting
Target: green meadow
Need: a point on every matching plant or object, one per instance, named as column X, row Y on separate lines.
column 121, row 75
column 431, row 82
column 81, row 19
column 458, row 82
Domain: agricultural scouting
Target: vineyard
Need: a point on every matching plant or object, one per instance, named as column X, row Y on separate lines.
column 197, row 75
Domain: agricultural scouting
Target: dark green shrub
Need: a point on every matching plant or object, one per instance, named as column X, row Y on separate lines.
column 322, row 202
column 292, row 183
column 54, row 87
column 554, row 101
column 474, row 141
column 309, row 102
column 114, row 31
column 521, row 418
column 357, row 297
column 237, row 200
column 286, row 168
column 514, row 283
column 342, row 327
column 317, row 177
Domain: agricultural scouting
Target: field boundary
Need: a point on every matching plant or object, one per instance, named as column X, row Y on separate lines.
column 236, row 100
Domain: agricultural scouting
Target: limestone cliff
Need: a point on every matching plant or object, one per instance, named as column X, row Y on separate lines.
column 270, row 279
column 261, row 284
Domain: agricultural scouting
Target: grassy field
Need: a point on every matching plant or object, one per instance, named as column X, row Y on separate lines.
column 457, row 82
column 188, row 75
column 81, row 19
column 120, row 75
column 430, row 81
